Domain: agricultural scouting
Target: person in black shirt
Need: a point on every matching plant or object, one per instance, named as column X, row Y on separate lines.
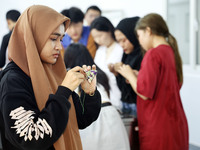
column 11, row 18
column 125, row 36
column 39, row 109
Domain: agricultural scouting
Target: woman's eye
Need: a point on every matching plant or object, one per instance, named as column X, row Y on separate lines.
column 61, row 40
column 53, row 39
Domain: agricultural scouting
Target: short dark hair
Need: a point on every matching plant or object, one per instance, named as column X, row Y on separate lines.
column 74, row 13
column 103, row 24
column 13, row 15
column 94, row 7
column 77, row 54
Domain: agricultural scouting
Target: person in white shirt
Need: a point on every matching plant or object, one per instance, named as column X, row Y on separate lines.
column 109, row 51
column 108, row 131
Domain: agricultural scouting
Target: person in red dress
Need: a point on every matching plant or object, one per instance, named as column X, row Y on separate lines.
column 161, row 118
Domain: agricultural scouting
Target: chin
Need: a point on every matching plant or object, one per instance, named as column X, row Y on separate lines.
column 75, row 38
column 53, row 62
column 127, row 52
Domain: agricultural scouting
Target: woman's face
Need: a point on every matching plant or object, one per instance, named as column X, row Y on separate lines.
column 144, row 37
column 102, row 38
column 53, row 46
column 127, row 46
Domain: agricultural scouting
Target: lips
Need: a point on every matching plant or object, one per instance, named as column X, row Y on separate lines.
column 56, row 55
column 75, row 35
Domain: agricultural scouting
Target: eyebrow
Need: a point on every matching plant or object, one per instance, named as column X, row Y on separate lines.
column 58, row 34
column 121, row 39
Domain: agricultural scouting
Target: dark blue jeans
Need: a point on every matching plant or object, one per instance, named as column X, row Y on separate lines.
column 129, row 109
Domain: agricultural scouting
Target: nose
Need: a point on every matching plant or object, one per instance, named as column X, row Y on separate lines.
column 58, row 46
column 73, row 30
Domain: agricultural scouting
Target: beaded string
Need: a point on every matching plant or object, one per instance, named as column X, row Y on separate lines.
column 82, row 103
column 90, row 76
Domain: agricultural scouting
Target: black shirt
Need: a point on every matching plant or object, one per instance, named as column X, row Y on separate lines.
column 3, row 49
column 18, row 106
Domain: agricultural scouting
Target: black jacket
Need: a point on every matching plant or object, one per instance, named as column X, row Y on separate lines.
column 18, row 106
column 3, row 49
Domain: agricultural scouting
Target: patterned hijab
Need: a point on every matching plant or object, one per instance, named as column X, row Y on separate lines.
column 29, row 36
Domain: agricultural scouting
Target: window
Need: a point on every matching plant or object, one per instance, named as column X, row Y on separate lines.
column 198, row 32
column 178, row 19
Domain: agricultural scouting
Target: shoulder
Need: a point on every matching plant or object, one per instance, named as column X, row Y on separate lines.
column 14, row 79
column 161, row 52
column 158, row 55
column 152, row 53
column 7, row 36
column 86, row 28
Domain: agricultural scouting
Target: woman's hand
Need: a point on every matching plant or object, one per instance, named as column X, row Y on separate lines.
column 135, row 72
column 117, row 66
column 126, row 71
column 73, row 78
column 131, row 75
column 111, row 68
column 114, row 67
column 88, row 87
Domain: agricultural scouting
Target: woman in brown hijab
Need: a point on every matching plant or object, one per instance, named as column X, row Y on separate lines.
column 39, row 109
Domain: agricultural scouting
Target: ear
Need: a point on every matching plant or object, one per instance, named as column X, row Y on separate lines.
column 148, row 30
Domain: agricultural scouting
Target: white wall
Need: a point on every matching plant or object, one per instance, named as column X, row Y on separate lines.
column 190, row 97
column 128, row 7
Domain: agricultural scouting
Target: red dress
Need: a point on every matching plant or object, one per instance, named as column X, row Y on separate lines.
column 161, row 118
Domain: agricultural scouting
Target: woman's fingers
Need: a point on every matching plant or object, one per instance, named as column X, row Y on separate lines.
column 93, row 67
column 84, row 67
column 79, row 75
column 76, row 69
column 87, row 68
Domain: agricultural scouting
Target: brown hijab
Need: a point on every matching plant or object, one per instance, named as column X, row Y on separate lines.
column 30, row 34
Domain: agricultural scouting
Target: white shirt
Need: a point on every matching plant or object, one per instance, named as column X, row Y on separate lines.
column 105, row 56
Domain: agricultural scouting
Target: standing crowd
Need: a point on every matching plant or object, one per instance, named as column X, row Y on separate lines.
column 73, row 77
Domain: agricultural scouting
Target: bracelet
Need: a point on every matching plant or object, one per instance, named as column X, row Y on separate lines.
column 92, row 94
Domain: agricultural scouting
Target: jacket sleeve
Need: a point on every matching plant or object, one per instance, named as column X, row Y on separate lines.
column 87, row 108
column 119, row 81
column 25, row 126
column 3, row 49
